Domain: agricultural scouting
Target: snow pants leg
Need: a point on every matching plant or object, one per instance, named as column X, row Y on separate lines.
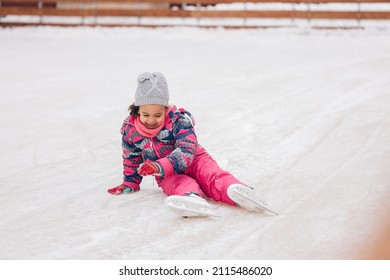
column 203, row 175
column 179, row 184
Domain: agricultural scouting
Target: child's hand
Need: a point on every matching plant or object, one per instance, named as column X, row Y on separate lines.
column 120, row 190
column 150, row 168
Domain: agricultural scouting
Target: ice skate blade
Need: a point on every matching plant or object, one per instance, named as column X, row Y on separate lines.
column 240, row 195
column 190, row 213
column 189, row 207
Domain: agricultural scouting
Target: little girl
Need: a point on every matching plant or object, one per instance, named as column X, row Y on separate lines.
column 159, row 140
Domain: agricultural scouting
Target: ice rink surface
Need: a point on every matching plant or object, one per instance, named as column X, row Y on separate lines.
column 302, row 116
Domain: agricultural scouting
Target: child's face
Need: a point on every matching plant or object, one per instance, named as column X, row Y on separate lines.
column 152, row 116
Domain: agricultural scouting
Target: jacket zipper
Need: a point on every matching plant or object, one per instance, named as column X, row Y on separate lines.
column 153, row 147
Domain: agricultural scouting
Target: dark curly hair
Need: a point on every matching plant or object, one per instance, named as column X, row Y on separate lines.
column 134, row 110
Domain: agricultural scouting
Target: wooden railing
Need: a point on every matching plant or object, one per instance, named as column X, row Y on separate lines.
column 185, row 9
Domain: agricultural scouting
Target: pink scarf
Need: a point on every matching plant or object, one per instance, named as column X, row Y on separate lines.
column 147, row 132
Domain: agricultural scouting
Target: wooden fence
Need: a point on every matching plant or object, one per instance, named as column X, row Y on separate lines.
column 180, row 10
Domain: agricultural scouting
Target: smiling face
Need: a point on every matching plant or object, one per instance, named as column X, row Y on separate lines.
column 152, row 116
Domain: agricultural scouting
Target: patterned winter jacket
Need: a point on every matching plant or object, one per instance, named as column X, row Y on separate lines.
column 174, row 147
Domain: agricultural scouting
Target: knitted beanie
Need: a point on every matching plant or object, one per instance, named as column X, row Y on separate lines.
column 152, row 89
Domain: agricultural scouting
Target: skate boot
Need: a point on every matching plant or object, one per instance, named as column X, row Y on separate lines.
column 189, row 205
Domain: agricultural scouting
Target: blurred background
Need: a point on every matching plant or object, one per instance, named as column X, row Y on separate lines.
column 206, row 13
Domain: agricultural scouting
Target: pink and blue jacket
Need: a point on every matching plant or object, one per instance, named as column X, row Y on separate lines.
column 174, row 147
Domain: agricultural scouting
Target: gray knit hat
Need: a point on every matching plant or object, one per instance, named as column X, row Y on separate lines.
column 152, row 89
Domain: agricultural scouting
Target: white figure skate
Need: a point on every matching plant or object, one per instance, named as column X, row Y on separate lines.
column 189, row 206
column 247, row 198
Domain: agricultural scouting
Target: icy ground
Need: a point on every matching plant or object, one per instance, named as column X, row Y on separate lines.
column 303, row 116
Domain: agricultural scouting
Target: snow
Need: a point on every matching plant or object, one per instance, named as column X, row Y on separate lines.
column 301, row 115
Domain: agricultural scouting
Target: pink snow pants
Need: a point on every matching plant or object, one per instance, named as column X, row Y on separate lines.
column 203, row 176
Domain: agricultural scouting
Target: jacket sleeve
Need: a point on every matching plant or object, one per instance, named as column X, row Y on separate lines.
column 131, row 160
column 186, row 145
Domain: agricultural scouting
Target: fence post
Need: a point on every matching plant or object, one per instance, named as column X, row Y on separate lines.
column 183, row 7
column 82, row 16
column 139, row 17
column 198, row 7
column 308, row 14
column 358, row 16
column 40, row 5
column 293, row 14
column 95, row 5
column 245, row 9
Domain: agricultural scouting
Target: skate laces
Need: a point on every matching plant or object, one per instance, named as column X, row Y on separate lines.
column 192, row 194
column 196, row 196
